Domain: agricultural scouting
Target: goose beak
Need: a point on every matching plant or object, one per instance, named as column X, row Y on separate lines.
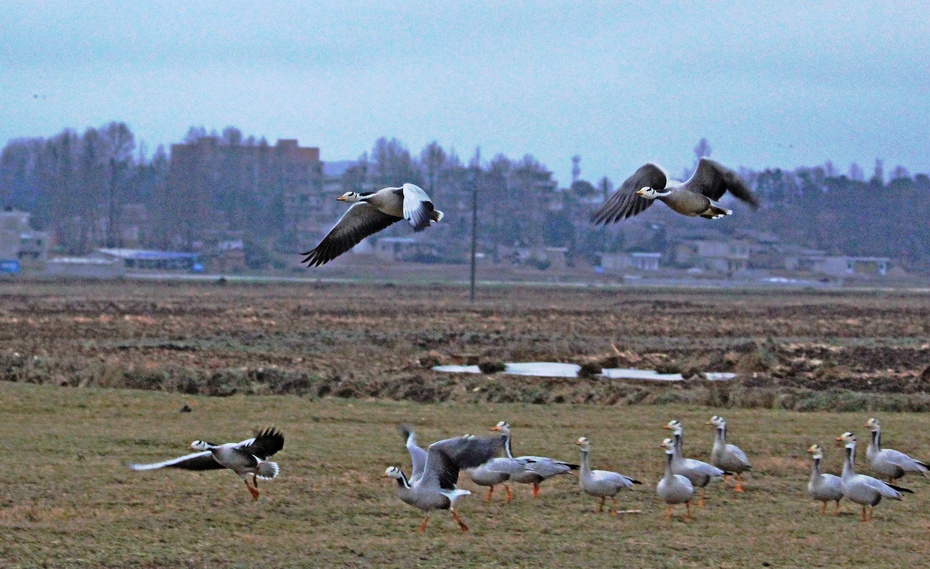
column 340, row 199
column 666, row 427
column 639, row 192
column 495, row 428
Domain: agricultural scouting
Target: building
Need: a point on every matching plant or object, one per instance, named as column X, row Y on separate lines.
column 722, row 256
column 624, row 262
column 844, row 266
column 21, row 247
column 146, row 259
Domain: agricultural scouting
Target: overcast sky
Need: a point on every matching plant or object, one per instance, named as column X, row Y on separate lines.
column 768, row 83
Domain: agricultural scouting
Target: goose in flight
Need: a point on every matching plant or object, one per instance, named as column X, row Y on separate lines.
column 601, row 483
column 537, row 469
column 435, row 488
column 698, row 472
column 248, row 458
column 861, row 489
column 823, row 487
column 369, row 214
column 696, row 197
column 889, row 463
column 727, row 457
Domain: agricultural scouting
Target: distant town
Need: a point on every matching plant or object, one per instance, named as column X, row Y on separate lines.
column 94, row 205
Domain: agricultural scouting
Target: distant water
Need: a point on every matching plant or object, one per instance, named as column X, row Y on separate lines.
column 553, row 369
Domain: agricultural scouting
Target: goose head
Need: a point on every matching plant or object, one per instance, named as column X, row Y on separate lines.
column 393, row 472
column 669, row 446
column 502, row 427
column 675, row 426
column 815, row 451
column 584, row 443
column 349, row 197
column 649, row 193
column 200, row 446
column 717, row 421
column 847, row 439
column 872, row 424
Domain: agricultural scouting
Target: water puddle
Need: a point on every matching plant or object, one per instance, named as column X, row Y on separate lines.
column 552, row 369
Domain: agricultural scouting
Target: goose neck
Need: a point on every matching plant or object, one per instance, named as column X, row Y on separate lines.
column 402, row 481
column 585, row 467
column 507, row 448
column 849, row 465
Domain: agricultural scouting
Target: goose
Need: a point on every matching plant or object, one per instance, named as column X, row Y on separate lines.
column 435, row 488
column 601, row 483
column 861, row 489
column 248, row 458
column 823, row 487
column 498, row 471
column 727, row 457
column 674, row 488
column 370, row 213
column 889, row 463
column 696, row 197
column 537, row 468
column 698, row 472
column 417, row 454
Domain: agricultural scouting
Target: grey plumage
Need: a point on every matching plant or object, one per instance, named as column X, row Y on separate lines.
column 600, row 483
column 371, row 213
column 696, row 197
column 674, row 488
column 417, row 454
column 861, row 489
column 727, row 457
column 889, row 463
column 698, row 472
column 435, row 489
column 537, row 469
column 822, row 486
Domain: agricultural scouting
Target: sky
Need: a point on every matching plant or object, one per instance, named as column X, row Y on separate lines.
column 769, row 84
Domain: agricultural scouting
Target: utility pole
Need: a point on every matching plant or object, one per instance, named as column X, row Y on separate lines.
column 473, row 178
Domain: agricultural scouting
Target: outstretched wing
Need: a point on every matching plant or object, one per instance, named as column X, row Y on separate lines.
column 265, row 444
column 417, row 454
column 357, row 223
column 625, row 203
column 713, row 179
column 196, row 461
column 445, row 458
column 417, row 207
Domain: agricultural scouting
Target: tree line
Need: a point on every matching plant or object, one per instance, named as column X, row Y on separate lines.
column 78, row 187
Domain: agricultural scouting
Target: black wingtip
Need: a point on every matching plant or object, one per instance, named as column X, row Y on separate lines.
column 574, row 466
column 634, row 481
column 405, row 430
column 901, row 489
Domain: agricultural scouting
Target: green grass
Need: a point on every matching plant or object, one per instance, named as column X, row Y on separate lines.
column 70, row 501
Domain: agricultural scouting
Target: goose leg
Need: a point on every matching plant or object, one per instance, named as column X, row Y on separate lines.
column 423, row 525
column 490, row 491
column 739, row 483
column 668, row 512
column 614, row 500
column 836, row 511
column 701, row 499
column 507, row 490
column 688, row 506
column 601, row 508
column 823, row 510
column 535, row 489
column 863, row 515
column 458, row 519
column 252, row 491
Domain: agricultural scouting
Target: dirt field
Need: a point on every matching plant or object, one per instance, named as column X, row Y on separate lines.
column 791, row 349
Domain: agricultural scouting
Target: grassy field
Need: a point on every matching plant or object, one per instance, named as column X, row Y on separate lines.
column 70, row 501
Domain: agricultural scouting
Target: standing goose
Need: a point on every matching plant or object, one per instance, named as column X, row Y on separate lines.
column 727, row 457
column 889, row 463
column 435, row 489
column 862, row 489
column 248, row 459
column 601, row 483
column 369, row 214
column 538, row 468
column 698, row 472
column 498, row 470
column 823, row 487
column 674, row 488
column 696, row 197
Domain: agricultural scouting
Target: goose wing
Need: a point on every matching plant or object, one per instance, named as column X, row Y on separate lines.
column 357, row 223
column 417, row 454
column 417, row 207
column 738, row 454
column 445, row 458
column 625, row 203
column 195, row 461
column 902, row 460
column 712, row 179
column 265, row 443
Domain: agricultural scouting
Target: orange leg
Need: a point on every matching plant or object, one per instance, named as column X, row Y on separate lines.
column 739, row 483
column 423, row 525
column 836, row 511
column 864, row 519
column 601, row 508
column 252, row 491
column 614, row 500
column 490, row 491
column 701, row 499
column 458, row 519
column 507, row 490
column 688, row 506
column 668, row 512
column 823, row 510
column 535, row 489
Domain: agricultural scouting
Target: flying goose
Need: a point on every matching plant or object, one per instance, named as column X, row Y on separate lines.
column 435, row 488
column 889, row 463
column 369, row 214
column 862, row 489
column 674, row 488
column 823, row 487
column 698, row 472
column 248, row 459
column 696, row 197
column 537, row 468
column 601, row 483
column 726, row 457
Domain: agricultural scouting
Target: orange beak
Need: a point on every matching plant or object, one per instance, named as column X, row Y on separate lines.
column 340, row 199
column 639, row 192
column 495, row 428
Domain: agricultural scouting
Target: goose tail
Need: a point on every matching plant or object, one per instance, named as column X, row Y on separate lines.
column 268, row 470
